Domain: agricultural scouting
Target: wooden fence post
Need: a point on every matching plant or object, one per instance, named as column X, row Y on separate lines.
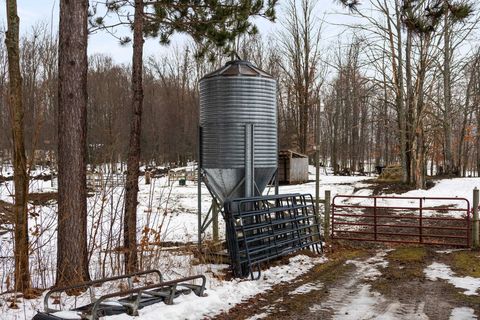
column 326, row 218
column 147, row 177
column 475, row 225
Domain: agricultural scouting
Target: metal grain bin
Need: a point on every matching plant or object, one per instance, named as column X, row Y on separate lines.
column 238, row 121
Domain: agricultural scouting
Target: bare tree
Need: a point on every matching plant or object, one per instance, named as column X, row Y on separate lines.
column 22, row 272
column 453, row 12
column 300, row 45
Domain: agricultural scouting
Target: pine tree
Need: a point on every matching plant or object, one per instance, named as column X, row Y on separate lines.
column 209, row 23
column 72, row 258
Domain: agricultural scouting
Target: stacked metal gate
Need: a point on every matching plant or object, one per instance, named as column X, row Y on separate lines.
column 260, row 229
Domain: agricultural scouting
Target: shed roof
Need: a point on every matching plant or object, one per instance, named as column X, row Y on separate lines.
column 291, row 154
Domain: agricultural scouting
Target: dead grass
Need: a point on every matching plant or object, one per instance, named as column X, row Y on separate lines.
column 404, row 276
column 407, row 255
column 404, row 264
column 465, row 263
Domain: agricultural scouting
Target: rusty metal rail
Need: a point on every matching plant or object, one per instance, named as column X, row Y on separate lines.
column 423, row 220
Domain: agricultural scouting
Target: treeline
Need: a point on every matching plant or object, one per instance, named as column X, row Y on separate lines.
column 414, row 65
column 169, row 127
column 403, row 89
column 171, row 104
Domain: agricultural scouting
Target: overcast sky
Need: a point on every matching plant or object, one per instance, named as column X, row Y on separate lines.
column 32, row 12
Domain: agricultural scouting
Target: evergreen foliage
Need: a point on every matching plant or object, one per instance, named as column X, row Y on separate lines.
column 209, row 22
column 426, row 16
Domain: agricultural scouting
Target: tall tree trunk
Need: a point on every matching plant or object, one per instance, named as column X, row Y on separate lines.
column 133, row 169
column 399, row 99
column 22, row 273
column 72, row 258
column 418, row 156
column 467, row 115
column 447, row 120
column 410, row 112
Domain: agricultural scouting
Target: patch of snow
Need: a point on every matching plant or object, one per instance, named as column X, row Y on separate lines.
column 437, row 271
column 223, row 295
column 259, row 316
column 448, row 251
column 369, row 269
column 452, row 188
column 360, row 306
column 67, row 315
column 352, row 300
column 336, row 184
column 306, row 288
column 355, row 300
column 111, row 303
column 463, row 313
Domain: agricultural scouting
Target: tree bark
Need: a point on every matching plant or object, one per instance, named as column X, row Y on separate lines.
column 410, row 111
column 418, row 154
column 467, row 118
column 72, row 258
column 399, row 98
column 447, row 120
column 133, row 169
column 22, row 273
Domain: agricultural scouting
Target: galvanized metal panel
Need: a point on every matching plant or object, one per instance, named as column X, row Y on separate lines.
column 231, row 97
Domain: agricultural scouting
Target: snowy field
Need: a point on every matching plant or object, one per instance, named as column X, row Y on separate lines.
column 167, row 214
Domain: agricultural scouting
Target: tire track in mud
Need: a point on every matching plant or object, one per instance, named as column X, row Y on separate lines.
column 354, row 299
column 351, row 289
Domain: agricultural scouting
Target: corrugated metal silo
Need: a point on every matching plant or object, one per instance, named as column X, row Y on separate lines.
column 238, row 121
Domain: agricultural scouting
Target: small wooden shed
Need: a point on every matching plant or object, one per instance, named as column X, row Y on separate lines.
column 292, row 167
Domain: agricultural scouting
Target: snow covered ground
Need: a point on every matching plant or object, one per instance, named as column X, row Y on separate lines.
column 458, row 193
column 437, row 271
column 222, row 295
column 167, row 213
column 354, row 299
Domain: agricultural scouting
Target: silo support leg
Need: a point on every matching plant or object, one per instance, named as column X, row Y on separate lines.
column 249, row 161
column 215, row 211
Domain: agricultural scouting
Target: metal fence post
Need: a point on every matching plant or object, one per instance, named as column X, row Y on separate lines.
column 420, row 230
column 326, row 219
column 317, row 179
column 375, row 218
column 199, row 187
column 475, row 225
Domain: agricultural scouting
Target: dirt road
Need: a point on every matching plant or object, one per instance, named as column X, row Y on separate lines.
column 376, row 283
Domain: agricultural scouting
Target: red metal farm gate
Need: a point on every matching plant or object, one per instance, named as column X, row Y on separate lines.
column 431, row 220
